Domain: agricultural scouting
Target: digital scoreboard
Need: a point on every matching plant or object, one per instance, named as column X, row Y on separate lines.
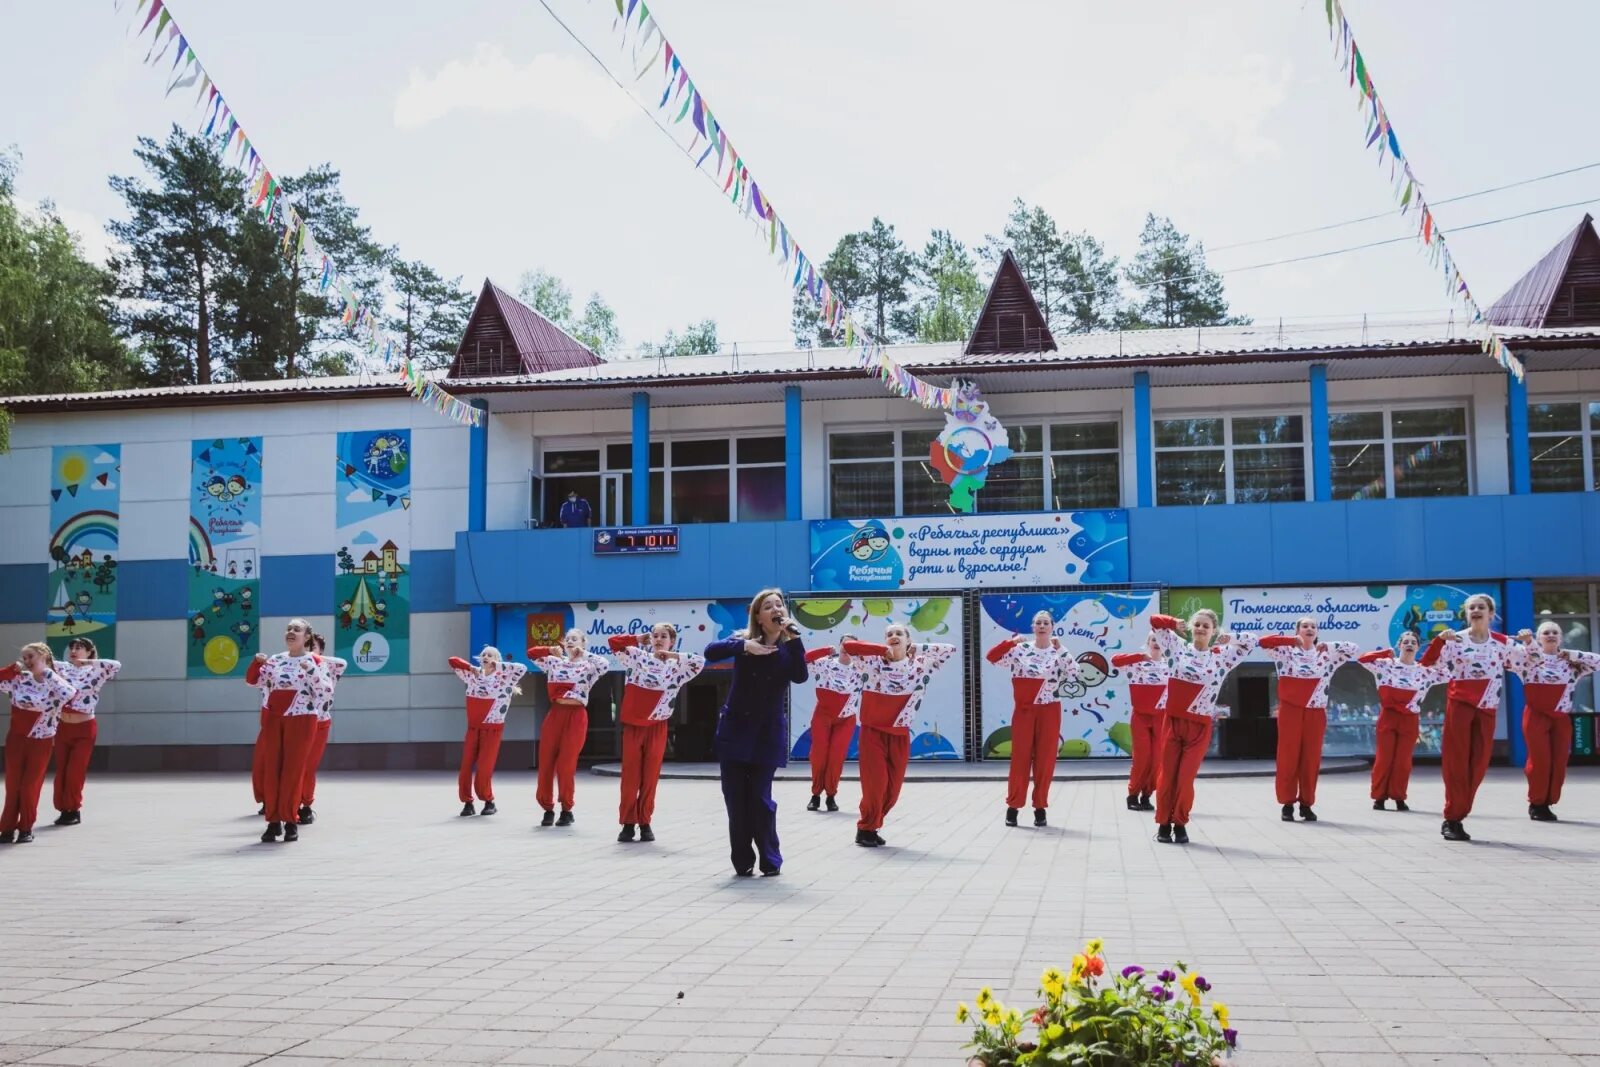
column 625, row 540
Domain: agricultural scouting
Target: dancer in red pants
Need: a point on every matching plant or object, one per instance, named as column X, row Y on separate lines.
column 1195, row 679
column 1548, row 674
column 655, row 674
column 38, row 693
column 490, row 687
column 839, row 678
column 1147, row 691
column 288, row 682
column 1305, row 667
column 329, row 670
column 897, row 672
column 1402, row 683
column 86, row 672
column 570, row 672
column 1476, row 660
column 1038, row 666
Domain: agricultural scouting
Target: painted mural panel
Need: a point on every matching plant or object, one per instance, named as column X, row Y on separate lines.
column 372, row 566
column 85, row 506
column 1094, row 626
column 224, row 556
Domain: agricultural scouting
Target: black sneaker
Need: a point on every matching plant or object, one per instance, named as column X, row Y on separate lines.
column 1454, row 831
column 489, row 808
column 1144, row 802
column 1164, row 833
column 1401, row 805
column 1377, row 805
column 8, row 838
column 1180, row 834
column 877, row 838
column 567, row 818
column 69, row 818
column 867, row 839
column 24, row 837
column 832, row 804
column 262, row 810
column 815, row 804
column 746, row 872
column 549, row 818
column 627, row 832
column 1288, row 813
column 291, row 832
column 273, row 831
column 1542, row 813
column 645, row 833
column 468, row 809
column 770, row 872
column 1038, row 817
column 1133, row 802
column 1307, row 814
column 1011, row 816
column 307, row 816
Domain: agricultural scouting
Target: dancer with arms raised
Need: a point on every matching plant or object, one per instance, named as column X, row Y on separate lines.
column 1402, row 683
column 1147, row 691
column 1476, row 661
column 1549, row 673
column 570, row 672
column 1038, row 665
column 1305, row 667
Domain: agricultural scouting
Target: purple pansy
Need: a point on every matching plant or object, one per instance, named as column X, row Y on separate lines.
column 1231, row 1037
column 1159, row 992
column 1201, row 984
column 1131, row 970
column 1167, row 976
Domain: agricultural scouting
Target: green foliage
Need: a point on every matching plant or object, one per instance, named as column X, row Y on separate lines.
column 1072, row 278
column 1171, row 283
column 430, row 312
column 697, row 339
column 950, row 296
column 549, row 296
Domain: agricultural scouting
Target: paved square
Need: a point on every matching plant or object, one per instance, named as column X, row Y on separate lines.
column 161, row 932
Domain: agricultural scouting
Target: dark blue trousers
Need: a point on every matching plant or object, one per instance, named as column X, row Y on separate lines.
column 752, row 815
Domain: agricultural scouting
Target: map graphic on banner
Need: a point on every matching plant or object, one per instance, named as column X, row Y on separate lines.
column 971, row 442
column 224, row 556
column 938, row 725
column 958, row 552
column 372, row 567
column 1094, row 627
column 81, row 577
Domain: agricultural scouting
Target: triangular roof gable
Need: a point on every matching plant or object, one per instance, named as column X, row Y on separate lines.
column 506, row 336
column 1542, row 297
column 1010, row 320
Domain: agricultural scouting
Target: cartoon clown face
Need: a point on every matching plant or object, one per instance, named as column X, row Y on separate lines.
column 870, row 543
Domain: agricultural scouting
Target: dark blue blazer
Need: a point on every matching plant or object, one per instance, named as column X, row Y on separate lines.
column 751, row 727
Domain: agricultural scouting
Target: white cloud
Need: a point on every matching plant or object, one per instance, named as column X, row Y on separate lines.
column 359, row 495
column 562, row 86
column 99, row 486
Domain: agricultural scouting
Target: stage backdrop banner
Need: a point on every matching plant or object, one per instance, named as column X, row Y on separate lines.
column 1373, row 616
column 372, row 567
column 698, row 622
column 937, row 726
column 85, row 505
column 1094, row 626
column 224, row 556
column 970, row 551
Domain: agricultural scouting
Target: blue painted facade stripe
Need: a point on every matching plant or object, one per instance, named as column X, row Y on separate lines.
column 1517, row 612
column 792, row 453
column 639, row 513
column 1321, row 449
column 480, row 623
column 1517, row 435
column 1144, row 455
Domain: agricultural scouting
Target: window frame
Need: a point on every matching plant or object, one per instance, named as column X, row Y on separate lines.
column 1591, row 591
column 1228, row 446
column 603, row 444
column 1387, row 410
column 1588, row 434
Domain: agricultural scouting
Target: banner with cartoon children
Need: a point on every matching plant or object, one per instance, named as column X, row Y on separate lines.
column 224, row 556
column 1094, row 627
column 85, row 528
column 938, row 724
column 372, row 566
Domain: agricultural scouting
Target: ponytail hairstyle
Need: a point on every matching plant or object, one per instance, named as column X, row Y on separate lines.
column 1206, row 613
column 667, row 626
column 316, row 643
column 85, row 644
column 491, row 653
column 42, row 650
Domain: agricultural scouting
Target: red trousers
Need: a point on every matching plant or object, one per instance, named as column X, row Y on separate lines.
column 1146, row 728
column 479, row 749
column 643, row 748
column 74, row 743
column 1549, row 738
column 830, row 744
column 319, row 745
column 1397, row 738
column 1300, row 733
column 1464, row 755
column 258, row 758
column 1183, row 748
column 27, row 759
column 285, row 747
column 1035, row 740
column 560, row 743
column 881, row 757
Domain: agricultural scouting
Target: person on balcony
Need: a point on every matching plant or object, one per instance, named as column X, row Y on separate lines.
column 574, row 510
column 1305, row 667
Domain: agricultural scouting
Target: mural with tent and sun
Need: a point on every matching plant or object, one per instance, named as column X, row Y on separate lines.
column 372, row 566
column 85, row 503
column 224, row 600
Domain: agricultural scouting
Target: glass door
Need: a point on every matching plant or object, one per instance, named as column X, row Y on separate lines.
column 613, row 507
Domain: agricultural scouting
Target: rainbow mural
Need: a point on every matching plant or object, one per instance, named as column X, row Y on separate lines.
column 224, row 556
column 81, row 577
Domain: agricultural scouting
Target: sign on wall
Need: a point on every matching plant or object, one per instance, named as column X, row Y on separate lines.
column 1093, row 627
column 372, row 566
column 959, row 551
column 937, row 725
column 85, row 506
column 224, row 556
column 698, row 622
column 1373, row 616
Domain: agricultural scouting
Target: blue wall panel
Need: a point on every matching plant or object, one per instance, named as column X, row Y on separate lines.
column 153, row 589
column 21, row 594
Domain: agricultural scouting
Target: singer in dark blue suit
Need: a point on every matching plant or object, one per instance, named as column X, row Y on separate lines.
column 752, row 730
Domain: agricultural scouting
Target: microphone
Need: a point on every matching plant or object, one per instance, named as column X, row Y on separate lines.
column 791, row 627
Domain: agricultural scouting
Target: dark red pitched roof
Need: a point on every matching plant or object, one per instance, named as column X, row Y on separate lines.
column 1562, row 289
column 506, row 336
column 1010, row 320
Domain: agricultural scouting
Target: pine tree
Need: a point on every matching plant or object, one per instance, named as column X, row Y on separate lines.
column 950, row 295
column 1072, row 278
column 547, row 294
column 697, row 339
column 430, row 312
column 1172, row 286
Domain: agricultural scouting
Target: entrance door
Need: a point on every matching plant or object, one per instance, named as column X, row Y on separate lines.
column 613, row 509
column 1251, row 732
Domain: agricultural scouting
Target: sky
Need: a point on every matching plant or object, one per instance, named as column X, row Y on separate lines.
column 478, row 136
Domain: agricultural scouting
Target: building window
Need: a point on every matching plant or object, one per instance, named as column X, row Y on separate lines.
column 760, row 479
column 1238, row 459
column 1399, row 452
column 720, row 479
column 1060, row 467
column 1564, row 446
column 1576, row 608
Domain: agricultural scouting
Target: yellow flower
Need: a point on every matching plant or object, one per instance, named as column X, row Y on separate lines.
column 985, row 995
column 1054, row 1031
column 1051, row 976
column 992, row 1016
column 1220, row 1010
column 1093, row 947
column 1053, row 990
column 1080, row 963
column 961, row 1013
column 1188, row 983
